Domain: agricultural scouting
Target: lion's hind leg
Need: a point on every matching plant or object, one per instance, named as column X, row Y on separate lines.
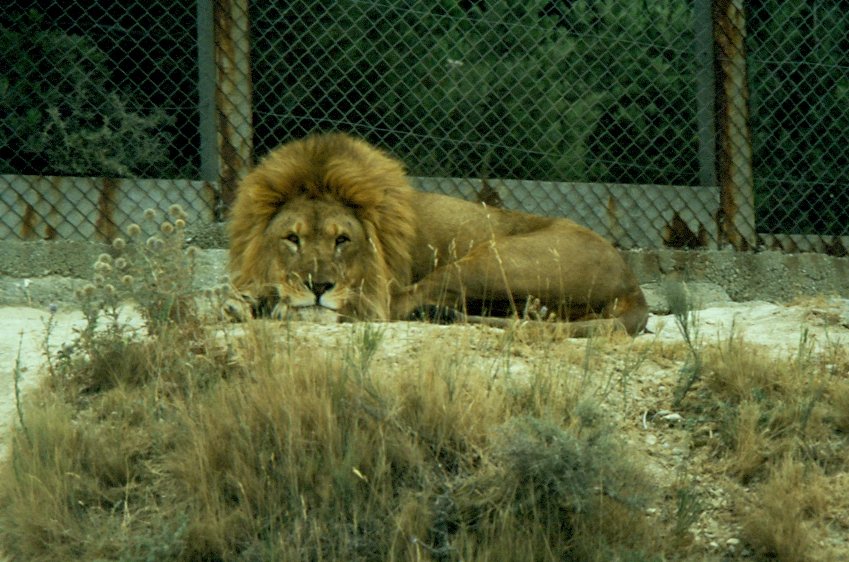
column 568, row 272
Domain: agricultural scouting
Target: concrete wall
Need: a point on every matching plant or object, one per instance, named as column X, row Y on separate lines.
column 631, row 216
column 67, row 208
column 42, row 272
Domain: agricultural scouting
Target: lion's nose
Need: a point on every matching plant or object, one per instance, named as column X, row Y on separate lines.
column 319, row 289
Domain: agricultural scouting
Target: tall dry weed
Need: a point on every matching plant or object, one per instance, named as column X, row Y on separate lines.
column 268, row 452
column 784, row 520
column 781, row 431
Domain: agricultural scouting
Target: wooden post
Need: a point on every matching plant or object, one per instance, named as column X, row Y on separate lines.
column 736, row 217
column 225, row 92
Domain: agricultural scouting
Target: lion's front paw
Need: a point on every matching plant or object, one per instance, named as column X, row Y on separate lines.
column 437, row 314
column 536, row 311
column 238, row 308
column 241, row 307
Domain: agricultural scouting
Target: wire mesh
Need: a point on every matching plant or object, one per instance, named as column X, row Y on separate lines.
column 539, row 91
column 686, row 123
column 103, row 92
column 799, row 69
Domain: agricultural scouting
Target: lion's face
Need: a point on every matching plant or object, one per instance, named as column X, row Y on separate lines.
column 324, row 223
column 318, row 249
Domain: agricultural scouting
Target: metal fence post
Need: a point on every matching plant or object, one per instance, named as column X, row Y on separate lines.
column 206, row 91
column 705, row 94
column 736, row 218
column 225, row 92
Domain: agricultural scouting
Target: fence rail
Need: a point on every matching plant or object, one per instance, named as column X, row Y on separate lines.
column 694, row 124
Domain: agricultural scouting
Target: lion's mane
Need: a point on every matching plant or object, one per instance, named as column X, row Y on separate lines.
column 327, row 166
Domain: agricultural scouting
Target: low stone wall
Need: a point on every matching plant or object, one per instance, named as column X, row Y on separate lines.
column 42, row 272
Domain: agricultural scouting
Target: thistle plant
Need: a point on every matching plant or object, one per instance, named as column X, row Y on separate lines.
column 155, row 273
column 160, row 271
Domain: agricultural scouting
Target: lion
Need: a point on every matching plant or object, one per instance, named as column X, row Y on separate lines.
column 330, row 224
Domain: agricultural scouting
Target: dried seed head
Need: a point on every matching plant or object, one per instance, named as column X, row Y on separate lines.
column 121, row 263
column 88, row 290
column 166, row 228
column 176, row 211
column 180, row 224
column 149, row 214
column 127, row 280
column 119, row 244
column 192, row 251
column 154, row 243
column 98, row 280
column 110, row 289
column 103, row 268
column 133, row 230
column 104, row 258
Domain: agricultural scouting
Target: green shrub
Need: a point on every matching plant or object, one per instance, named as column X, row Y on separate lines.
column 500, row 89
column 61, row 113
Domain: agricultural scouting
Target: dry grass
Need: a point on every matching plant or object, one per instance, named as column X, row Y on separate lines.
column 273, row 454
column 784, row 520
column 780, row 430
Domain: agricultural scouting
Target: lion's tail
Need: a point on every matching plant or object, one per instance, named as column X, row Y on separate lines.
column 631, row 310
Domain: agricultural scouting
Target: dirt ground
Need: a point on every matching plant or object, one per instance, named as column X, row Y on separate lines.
column 640, row 405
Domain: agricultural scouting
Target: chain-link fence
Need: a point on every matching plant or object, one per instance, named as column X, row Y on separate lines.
column 686, row 123
column 799, row 74
column 94, row 90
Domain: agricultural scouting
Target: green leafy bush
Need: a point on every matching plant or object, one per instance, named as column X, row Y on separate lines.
column 500, row 89
column 61, row 114
column 800, row 92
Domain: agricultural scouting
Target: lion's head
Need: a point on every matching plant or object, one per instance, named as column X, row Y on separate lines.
column 325, row 221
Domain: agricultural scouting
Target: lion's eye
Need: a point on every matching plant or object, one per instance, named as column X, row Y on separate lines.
column 293, row 238
column 342, row 238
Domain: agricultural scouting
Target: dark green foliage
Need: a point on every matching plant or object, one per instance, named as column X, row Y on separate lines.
column 799, row 53
column 601, row 92
column 62, row 114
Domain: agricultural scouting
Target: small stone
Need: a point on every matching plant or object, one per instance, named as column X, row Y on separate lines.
column 673, row 418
